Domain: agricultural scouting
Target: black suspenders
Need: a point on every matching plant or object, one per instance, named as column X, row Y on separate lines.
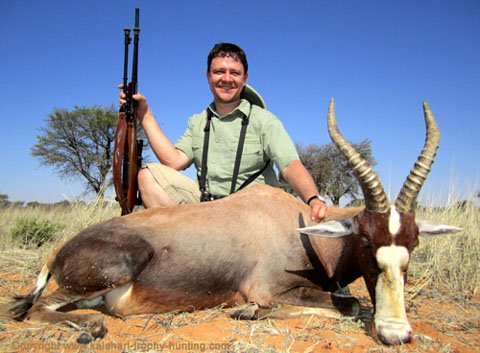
column 204, row 195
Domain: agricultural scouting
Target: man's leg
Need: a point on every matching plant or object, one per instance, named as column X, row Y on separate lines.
column 160, row 185
column 151, row 192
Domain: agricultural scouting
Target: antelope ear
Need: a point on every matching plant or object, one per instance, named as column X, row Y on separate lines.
column 330, row 229
column 429, row 229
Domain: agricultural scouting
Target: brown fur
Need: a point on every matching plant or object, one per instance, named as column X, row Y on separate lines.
column 408, row 234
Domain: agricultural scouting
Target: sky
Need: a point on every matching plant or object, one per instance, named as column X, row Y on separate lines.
column 379, row 59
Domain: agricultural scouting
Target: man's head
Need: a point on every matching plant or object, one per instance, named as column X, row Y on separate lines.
column 228, row 50
column 227, row 72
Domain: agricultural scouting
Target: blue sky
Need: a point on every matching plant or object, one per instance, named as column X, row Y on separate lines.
column 378, row 59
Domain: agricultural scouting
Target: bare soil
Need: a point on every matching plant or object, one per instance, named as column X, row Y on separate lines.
column 439, row 325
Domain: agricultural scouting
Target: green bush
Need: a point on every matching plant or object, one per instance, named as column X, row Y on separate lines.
column 32, row 232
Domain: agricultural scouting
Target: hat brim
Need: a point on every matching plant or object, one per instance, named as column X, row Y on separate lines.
column 253, row 96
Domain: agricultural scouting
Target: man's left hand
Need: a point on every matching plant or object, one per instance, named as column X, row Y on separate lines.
column 318, row 210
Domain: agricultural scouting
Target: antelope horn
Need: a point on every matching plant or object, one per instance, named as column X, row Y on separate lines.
column 414, row 182
column 375, row 197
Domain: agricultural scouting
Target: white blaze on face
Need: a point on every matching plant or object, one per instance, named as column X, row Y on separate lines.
column 394, row 221
column 390, row 317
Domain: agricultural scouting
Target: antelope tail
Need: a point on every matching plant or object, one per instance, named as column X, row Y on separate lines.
column 21, row 304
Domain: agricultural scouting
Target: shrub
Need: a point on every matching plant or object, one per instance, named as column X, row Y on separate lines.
column 32, row 232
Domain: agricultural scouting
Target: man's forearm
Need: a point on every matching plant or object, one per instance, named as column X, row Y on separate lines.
column 161, row 145
column 302, row 183
column 300, row 180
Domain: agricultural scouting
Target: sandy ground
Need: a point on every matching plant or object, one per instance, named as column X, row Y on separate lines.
column 439, row 325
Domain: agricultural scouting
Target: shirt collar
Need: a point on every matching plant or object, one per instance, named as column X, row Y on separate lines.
column 243, row 109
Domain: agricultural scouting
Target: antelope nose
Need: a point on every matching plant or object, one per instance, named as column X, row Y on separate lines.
column 394, row 333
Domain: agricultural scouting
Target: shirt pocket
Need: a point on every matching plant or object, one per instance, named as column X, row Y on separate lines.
column 252, row 156
column 197, row 149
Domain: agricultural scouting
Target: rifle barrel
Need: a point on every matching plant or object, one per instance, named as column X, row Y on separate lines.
column 137, row 17
column 136, row 35
column 127, row 41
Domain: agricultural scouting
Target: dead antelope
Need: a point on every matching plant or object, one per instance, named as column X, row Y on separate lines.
column 257, row 248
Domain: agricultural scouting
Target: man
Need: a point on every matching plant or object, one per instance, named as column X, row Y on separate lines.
column 234, row 104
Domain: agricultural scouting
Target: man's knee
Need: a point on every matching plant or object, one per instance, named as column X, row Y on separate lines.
column 159, row 182
column 145, row 179
column 151, row 192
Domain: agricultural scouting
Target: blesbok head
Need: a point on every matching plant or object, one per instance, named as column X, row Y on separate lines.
column 387, row 232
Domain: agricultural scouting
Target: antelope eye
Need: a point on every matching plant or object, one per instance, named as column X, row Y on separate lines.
column 415, row 244
column 365, row 242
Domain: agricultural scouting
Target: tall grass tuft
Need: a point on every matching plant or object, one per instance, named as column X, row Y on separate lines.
column 450, row 264
column 29, row 231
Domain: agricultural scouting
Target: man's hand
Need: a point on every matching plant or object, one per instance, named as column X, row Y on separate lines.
column 318, row 210
column 141, row 108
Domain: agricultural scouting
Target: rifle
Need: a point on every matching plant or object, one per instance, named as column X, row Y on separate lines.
column 127, row 151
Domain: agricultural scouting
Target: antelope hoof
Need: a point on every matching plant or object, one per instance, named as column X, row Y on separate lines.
column 99, row 330
column 85, row 338
column 88, row 337
column 94, row 329
column 247, row 312
column 348, row 306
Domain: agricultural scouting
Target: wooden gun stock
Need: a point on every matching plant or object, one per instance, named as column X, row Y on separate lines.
column 126, row 164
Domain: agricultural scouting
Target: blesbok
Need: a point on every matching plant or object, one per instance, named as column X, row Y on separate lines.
column 257, row 247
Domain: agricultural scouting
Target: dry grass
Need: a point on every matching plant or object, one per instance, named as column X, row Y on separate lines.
column 450, row 264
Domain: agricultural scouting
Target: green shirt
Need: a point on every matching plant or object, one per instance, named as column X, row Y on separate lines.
column 265, row 139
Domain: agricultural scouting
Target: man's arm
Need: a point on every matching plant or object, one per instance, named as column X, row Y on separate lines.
column 302, row 183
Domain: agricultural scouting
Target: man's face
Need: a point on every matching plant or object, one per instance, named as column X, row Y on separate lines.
column 226, row 79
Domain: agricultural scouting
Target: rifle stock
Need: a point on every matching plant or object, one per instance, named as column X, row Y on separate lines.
column 127, row 151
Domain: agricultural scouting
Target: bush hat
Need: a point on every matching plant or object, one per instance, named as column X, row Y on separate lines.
column 253, row 96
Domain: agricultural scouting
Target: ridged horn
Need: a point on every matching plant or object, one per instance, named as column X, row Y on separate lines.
column 414, row 182
column 375, row 197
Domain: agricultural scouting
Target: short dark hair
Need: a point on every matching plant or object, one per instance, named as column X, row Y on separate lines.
column 228, row 49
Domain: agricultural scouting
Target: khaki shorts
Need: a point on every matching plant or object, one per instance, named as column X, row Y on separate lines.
column 180, row 188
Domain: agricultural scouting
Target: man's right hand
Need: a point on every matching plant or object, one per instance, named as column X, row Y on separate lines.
column 141, row 108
